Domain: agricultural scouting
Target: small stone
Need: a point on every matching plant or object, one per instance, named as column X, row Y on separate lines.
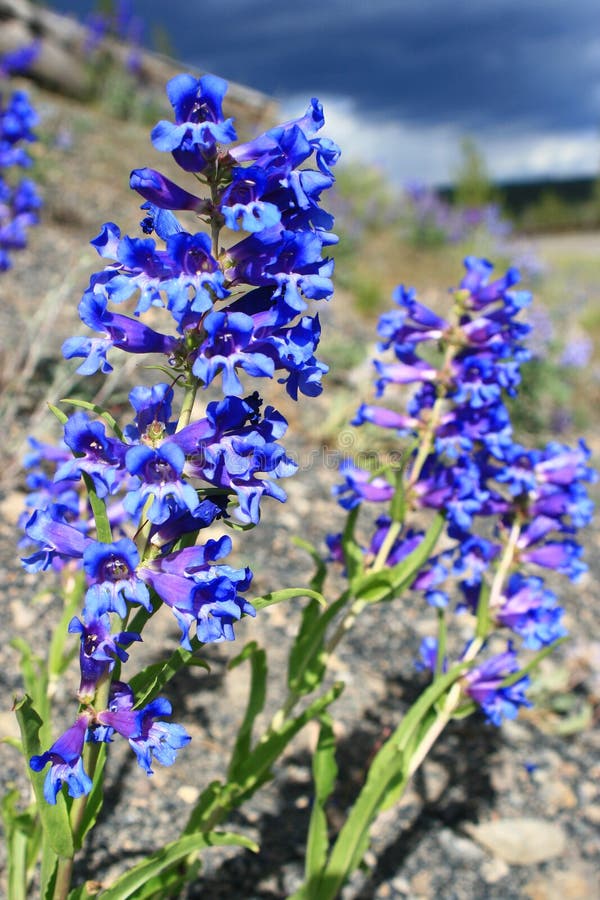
column 558, row 795
column 188, row 793
column 562, row 886
column 494, row 870
column 520, row 841
column 588, row 791
column 591, row 812
column 436, row 780
column 401, row 885
column 421, row 884
column 370, row 859
column 9, row 727
column 23, row 616
column 459, row 848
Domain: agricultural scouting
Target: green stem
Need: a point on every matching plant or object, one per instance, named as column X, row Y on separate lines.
column 490, row 600
column 187, row 405
column 64, row 872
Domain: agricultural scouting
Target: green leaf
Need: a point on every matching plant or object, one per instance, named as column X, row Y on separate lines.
column 212, row 797
column 256, row 702
column 398, row 504
column 239, row 526
column 48, row 870
column 103, row 529
column 22, row 842
column 35, row 678
column 353, row 556
column 533, row 662
column 55, row 819
column 318, row 579
column 131, row 881
column 388, row 583
column 62, row 418
column 148, row 683
column 287, row 594
column 307, row 660
column 385, row 775
column 324, row 773
column 255, row 770
column 102, row 413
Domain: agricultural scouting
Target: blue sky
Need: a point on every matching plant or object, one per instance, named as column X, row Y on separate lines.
column 403, row 80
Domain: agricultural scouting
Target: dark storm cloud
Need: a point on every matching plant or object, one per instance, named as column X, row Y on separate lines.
column 475, row 63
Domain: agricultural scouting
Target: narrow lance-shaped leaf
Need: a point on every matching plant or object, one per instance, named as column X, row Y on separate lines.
column 324, row 773
column 318, row 579
column 128, row 884
column 103, row 529
column 256, row 701
column 287, row 594
column 307, row 661
column 386, row 770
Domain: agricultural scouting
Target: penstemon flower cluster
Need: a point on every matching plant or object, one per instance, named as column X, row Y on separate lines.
column 128, row 506
column 467, row 518
column 19, row 200
column 510, row 512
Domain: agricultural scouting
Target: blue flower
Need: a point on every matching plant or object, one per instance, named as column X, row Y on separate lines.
column 485, row 685
column 158, row 474
column 199, row 124
column 98, row 649
column 147, row 738
column 66, row 763
column 98, row 456
column 200, row 592
column 118, row 331
column 112, row 571
column 56, row 539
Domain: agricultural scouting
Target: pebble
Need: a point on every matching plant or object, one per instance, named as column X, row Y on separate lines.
column 401, row 884
column 520, row 842
column 188, row 793
column 592, row 813
column 568, row 885
column 558, row 795
column 494, row 870
column 421, row 884
column 459, row 848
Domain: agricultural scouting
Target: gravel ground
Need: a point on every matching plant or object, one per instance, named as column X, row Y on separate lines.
column 545, row 767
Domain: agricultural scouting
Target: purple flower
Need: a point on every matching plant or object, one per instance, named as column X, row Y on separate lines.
column 199, row 124
column 98, row 649
column 359, row 485
column 118, row 331
column 66, row 763
column 200, row 592
column 56, row 539
column 158, row 473
column 531, row 611
column 234, row 448
column 112, row 571
column 97, row 455
column 147, row 737
column 485, row 685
